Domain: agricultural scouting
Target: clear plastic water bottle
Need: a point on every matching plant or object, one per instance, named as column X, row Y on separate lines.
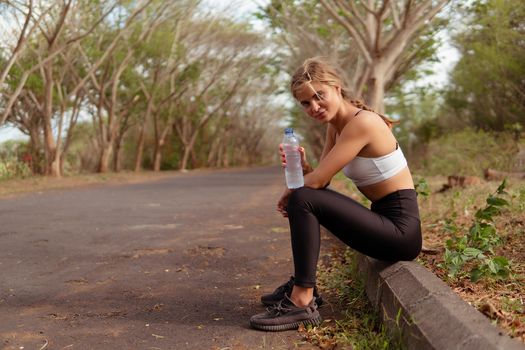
column 293, row 169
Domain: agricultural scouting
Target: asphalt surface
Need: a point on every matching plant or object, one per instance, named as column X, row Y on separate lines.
column 177, row 263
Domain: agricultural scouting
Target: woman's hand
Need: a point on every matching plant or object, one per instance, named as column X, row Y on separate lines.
column 306, row 167
column 282, row 204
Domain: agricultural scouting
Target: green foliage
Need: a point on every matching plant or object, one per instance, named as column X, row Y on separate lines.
column 421, row 187
column 467, row 152
column 498, row 267
column 418, row 112
column 360, row 328
column 313, row 31
column 11, row 164
column 487, row 83
column 190, row 73
column 82, row 155
column 478, row 242
column 13, row 168
column 520, row 196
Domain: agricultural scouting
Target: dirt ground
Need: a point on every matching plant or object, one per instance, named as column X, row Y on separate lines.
column 167, row 261
column 502, row 301
column 15, row 187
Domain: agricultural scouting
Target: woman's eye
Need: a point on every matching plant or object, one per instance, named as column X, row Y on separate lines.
column 305, row 104
column 319, row 95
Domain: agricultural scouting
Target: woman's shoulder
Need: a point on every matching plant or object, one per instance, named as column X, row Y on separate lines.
column 365, row 121
column 366, row 118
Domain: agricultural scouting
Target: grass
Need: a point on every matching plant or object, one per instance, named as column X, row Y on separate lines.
column 358, row 326
column 501, row 300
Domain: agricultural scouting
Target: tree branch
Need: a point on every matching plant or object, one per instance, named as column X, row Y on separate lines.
column 395, row 14
column 379, row 24
column 22, row 39
column 430, row 14
column 93, row 27
column 351, row 30
column 345, row 10
column 367, row 8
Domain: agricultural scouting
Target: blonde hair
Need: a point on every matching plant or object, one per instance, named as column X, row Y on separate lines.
column 316, row 69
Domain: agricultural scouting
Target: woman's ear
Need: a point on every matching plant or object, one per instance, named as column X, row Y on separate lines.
column 338, row 90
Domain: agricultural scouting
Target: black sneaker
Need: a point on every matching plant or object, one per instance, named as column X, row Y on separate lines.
column 285, row 315
column 286, row 288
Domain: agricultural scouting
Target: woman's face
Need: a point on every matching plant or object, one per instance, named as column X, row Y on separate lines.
column 319, row 101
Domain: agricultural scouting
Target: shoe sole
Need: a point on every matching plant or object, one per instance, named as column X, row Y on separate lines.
column 284, row 327
column 319, row 301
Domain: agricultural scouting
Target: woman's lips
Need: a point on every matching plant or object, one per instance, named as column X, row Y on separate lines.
column 320, row 115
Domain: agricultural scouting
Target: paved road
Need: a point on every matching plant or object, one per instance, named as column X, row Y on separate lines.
column 170, row 264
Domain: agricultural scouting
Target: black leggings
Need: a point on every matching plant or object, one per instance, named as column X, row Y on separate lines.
column 390, row 230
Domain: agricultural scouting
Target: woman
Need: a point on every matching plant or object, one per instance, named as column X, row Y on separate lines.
column 361, row 144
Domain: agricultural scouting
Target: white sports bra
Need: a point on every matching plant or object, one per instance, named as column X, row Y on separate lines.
column 364, row 171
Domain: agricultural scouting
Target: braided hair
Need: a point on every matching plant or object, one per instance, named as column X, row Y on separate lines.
column 317, row 69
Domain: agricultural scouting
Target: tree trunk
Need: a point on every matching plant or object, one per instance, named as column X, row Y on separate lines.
column 35, row 146
column 56, row 168
column 157, row 157
column 188, row 150
column 50, row 146
column 381, row 32
column 160, row 145
column 226, row 158
column 105, row 155
column 194, row 161
column 140, row 148
column 220, row 154
column 214, row 149
column 117, row 155
column 185, row 157
column 69, row 134
column 375, row 92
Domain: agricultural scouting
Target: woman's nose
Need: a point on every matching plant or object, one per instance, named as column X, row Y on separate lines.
column 314, row 106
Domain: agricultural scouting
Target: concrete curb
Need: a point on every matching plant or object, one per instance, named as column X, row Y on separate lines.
column 429, row 313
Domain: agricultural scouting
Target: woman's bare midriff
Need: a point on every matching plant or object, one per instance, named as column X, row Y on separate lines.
column 400, row 181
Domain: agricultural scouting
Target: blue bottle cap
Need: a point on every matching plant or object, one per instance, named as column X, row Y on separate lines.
column 288, row 131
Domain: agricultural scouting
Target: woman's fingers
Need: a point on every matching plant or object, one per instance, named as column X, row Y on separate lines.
column 283, row 157
column 283, row 212
column 302, row 152
column 283, row 202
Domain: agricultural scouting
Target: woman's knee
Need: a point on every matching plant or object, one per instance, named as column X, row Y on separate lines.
column 300, row 196
column 411, row 248
column 417, row 246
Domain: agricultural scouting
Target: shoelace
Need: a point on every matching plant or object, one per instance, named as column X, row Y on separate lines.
column 278, row 309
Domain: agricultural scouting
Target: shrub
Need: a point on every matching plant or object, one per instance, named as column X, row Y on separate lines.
column 468, row 152
column 11, row 165
column 12, row 168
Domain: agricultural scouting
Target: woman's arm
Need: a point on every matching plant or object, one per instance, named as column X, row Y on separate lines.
column 353, row 138
column 328, row 144
column 329, row 141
